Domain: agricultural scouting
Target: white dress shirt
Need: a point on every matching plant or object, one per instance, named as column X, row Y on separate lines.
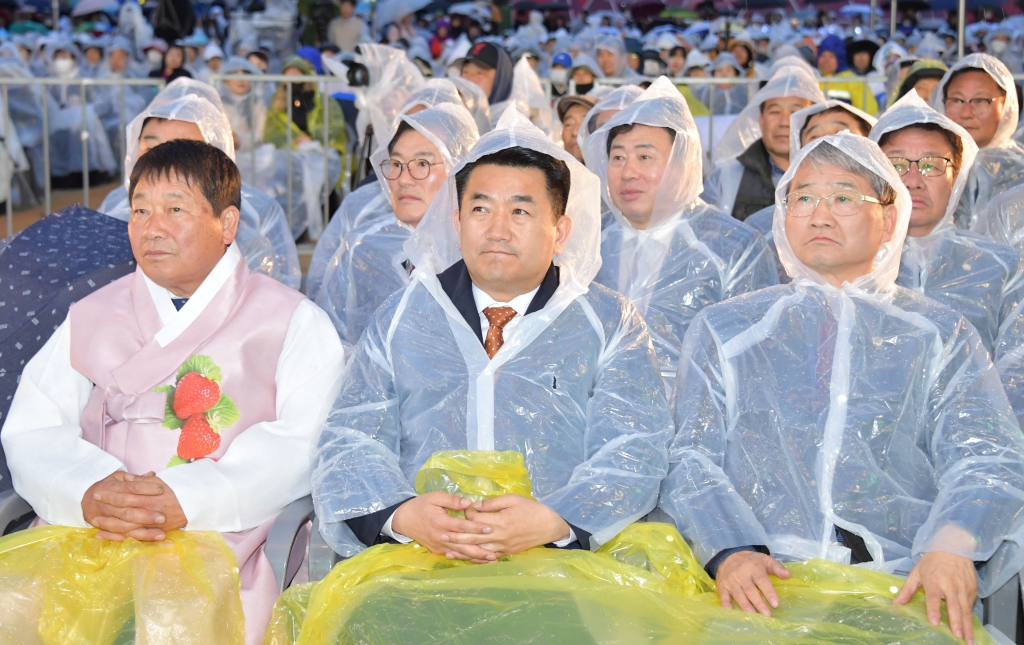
column 521, row 304
column 265, row 468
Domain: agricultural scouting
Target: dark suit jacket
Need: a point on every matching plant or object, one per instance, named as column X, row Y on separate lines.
column 459, row 288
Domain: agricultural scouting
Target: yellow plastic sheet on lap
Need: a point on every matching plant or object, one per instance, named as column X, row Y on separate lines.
column 63, row 586
column 644, row 586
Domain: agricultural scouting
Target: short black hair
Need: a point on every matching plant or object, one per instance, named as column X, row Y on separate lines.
column 626, row 127
column 965, row 70
column 197, row 163
column 955, row 143
column 864, row 126
column 403, row 127
column 556, row 173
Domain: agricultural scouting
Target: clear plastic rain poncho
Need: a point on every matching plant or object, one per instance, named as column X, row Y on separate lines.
column 690, row 255
column 576, row 389
column 615, row 101
column 116, row 105
column 868, row 407
column 369, row 203
column 728, row 100
column 246, row 112
column 263, row 235
column 615, row 45
column 393, row 77
column 799, row 119
column 723, row 184
column 475, row 100
column 999, row 165
column 973, row 275
column 529, row 97
column 25, row 109
column 13, row 158
column 71, row 117
column 370, row 263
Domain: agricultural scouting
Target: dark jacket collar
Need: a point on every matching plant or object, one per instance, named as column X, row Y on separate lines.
column 459, row 287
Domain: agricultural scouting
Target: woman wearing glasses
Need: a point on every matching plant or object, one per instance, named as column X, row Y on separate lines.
column 979, row 95
column 978, row 277
column 370, row 263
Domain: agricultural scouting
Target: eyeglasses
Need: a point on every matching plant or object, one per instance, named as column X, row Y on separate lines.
column 927, row 166
column 977, row 105
column 418, row 168
column 842, row 203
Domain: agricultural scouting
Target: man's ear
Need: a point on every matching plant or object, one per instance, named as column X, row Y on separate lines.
column 563, row 227
column 889, row 215
column 229, row 222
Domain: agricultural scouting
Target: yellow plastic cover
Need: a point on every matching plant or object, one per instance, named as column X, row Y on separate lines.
column 644, row 586
column 62, row 586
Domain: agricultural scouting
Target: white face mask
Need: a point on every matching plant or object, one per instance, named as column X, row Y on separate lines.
column 154, row 57
column 559, row 76
column 998, row 46
column 454, row 72
column 63, row 67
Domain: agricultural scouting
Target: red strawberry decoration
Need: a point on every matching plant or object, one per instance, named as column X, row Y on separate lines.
column 197, row 438
column 197, row 407
column 195, row 394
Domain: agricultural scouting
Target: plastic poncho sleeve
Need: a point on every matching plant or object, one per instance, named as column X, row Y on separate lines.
column 1008, row 352
column 753, row 268
column 977, row 452
column 361, row 451
column 696, row 456
column 276, row 131
column 627, row 432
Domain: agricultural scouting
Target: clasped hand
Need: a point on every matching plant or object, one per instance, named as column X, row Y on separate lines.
column 136, row 506
column 493, row 528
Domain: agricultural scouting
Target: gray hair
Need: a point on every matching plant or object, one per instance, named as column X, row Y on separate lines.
column 826, row 154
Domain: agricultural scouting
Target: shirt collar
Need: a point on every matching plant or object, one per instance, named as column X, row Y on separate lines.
column 520, row 303
column 175, row 322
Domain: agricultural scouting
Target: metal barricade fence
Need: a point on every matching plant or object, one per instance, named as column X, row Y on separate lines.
column 260, row 83
column 81, row 83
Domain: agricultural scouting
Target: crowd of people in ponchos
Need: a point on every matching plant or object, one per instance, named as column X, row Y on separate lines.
column 697, row 247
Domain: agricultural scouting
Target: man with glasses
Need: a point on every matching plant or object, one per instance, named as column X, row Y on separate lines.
column 370, row 263
column 980, row 278
column 844, row 417
column 978, row 94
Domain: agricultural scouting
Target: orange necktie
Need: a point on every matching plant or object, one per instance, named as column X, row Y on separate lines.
column 498, row 317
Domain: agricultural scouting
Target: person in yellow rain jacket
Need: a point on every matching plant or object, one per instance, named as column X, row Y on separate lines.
column 832, row 65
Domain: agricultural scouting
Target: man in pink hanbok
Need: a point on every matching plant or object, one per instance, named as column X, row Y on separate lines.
column 184, row 396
